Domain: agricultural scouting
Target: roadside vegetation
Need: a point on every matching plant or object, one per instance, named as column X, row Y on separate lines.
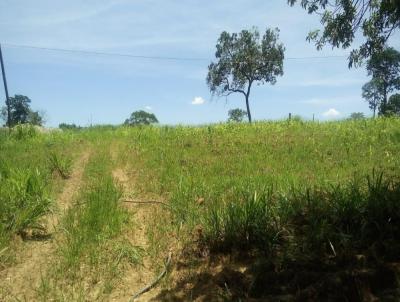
column 276, row 197
column 288, row 195
column 29, row 181
column 91, row 252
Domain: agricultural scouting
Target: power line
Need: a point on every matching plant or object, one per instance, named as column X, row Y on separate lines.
column 88, row 52
column 164, row 58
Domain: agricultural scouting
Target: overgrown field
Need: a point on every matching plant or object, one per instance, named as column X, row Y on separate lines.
column 308, row 211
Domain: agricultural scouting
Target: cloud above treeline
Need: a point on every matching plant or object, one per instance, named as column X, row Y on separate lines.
column 331, row 113
column 148, row 108
column 198, row 100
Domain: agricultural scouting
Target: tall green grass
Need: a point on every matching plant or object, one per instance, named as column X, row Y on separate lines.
column 23, row 199
column 91, row 247
column 97, row 219
column 244, row 185
column 27, row 186
column 315, row 220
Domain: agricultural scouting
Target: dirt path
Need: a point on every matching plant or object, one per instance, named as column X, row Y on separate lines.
column 20, row 282
column 135, row 278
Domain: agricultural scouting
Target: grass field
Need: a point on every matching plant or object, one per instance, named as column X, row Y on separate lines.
column 296, row 210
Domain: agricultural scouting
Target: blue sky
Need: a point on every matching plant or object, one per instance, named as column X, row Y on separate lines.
column 83, row 88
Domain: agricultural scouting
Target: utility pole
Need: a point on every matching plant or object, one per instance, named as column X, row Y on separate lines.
column 5, row 89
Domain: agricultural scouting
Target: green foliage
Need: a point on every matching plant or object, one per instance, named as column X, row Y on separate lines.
column 20, row 112
column 24, row 132
column 297, row 118
column 357, row 116
column 384, row 67
column 244, row 59
column 311, row 175
column 23, row 199
column 371, row 92
column 65, row 126
column 141, row 118
column 342, row 19
column 348, row 216
column 236, row 115
column 60, row 164
column 92, row 222
column 242, row 224
column 393, row 106
column 97, row 219
column 35, row 118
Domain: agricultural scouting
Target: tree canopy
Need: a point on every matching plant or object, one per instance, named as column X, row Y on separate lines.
column 20, row 112
column 243, row 59
column 393, row 105
column 342, row 19
column 384, row 67
column 236, row 115
column 371, row 92
column 141, row 118
column 357, row 116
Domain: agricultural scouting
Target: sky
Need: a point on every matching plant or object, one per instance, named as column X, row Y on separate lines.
column 86, row 89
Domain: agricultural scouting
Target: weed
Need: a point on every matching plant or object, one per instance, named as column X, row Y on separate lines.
column 60, row 164
column 24, row 200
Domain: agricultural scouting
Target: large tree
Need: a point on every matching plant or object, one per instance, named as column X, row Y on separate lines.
column 244, row 59
column 384, row 67
column 20, row 112
column 342, row 19
column 141, row 118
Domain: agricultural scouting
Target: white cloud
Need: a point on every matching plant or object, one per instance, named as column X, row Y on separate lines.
column 331, row 113
column 148, row 108
column 198, row 100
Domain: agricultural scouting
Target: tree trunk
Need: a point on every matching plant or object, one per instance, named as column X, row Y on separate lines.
column 384, row 103
column 247, row 100
column 248, row 108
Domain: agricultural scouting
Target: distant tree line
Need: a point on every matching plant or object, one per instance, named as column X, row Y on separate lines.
column 65, row 126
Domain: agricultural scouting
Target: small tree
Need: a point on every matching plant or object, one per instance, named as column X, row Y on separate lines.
column 357, row 116
column 20, row 112
column 372, row 92
column 141, row 118
column 236, row 115
column 244, row 59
